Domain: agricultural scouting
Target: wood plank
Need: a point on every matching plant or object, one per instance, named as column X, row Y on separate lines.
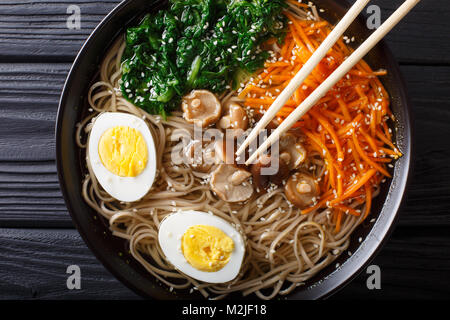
column 428, row 194
column 29, row 190
column 30, row 195
column 29, row 95
column 37, row 30
column 33, row 265
column 33, row 30
column 417, row 39
column 414, row 265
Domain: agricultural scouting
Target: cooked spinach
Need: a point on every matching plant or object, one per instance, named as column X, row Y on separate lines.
column 207, row 44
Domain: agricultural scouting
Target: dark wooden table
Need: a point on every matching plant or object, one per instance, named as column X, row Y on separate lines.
column 37, row 238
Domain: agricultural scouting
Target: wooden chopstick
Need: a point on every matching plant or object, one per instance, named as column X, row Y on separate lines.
column 304, row 72
column 339, row 73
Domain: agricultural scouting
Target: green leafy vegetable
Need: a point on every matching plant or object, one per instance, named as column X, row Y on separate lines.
column 207, row 44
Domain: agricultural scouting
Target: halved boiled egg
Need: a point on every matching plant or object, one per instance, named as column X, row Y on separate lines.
column 202, row 246
column 122, row 155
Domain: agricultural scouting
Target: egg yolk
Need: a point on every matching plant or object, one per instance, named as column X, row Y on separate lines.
column 206, row 248
column 123, row 151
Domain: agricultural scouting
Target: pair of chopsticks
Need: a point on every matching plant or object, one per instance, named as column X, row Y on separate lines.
column 325, row 86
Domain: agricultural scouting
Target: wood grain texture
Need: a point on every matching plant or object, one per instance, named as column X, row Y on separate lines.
column 37, row 30
column 414, row 265
column 29, row 190
column 33, row 264
column 33, row 30
column 417, row 39
column 29, row 95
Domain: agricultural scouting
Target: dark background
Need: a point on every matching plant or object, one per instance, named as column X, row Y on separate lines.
column 37, row 238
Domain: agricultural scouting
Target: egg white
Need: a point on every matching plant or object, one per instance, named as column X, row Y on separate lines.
column 175, row 225
column 127, row 189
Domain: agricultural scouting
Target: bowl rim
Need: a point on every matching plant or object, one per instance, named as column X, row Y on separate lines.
column 352, row 266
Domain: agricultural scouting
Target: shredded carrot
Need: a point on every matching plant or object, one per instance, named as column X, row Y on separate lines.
column 277, row 64
column 349, row 210
column 365, row 157
column 368, row 190
column 347, row 127
column 355, row 186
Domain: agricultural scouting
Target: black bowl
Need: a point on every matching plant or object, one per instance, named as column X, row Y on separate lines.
column 113, row 252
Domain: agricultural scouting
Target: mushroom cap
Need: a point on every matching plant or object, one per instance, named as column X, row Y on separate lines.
column 238, row 116
column 263, row 181
column 234, row 118
column 201, row 107
column 231, row 183
column 301, row 189
column 289, row 144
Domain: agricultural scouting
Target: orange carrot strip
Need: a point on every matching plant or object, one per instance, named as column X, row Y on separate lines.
column 332, row 133
column 368, row 199
column 366, row 158
column 355, row 186
column 300, row 31
column 347, row 209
